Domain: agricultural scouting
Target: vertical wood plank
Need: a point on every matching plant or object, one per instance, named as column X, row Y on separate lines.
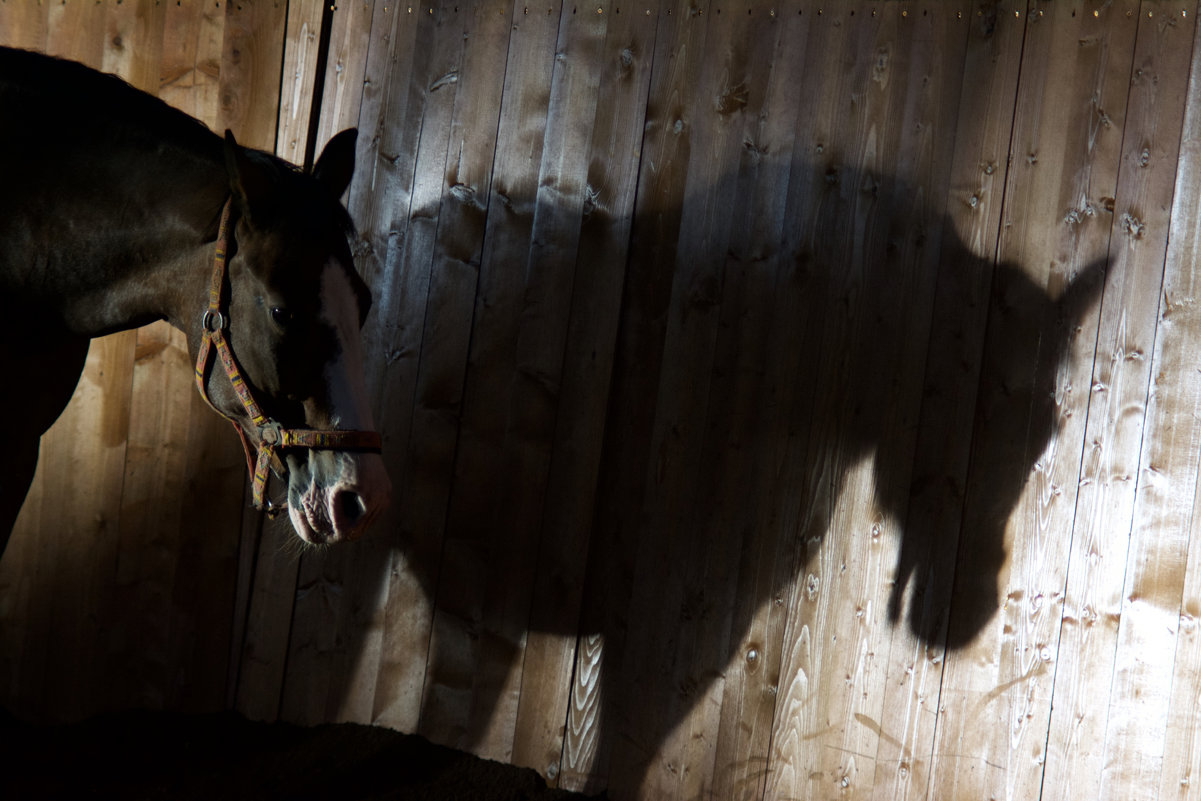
column 415, row 146
column 87, row 444
column 658, row 281
column 1171, row 444
column 437, row 286
column 77, row 33
column 250, row 72
column 484, row 590
column 995, row 704
column 1088, row 646
column 835, row 155
column 737, row 442
column 921, row 588
column 302, row 41
column 23, row 25
column 1149, row 609
column 597, row 745
column 189, row 77
column 750, row 329
column 350, row 48
column 537, row 405
column 614, row 107
column 763, row 263
column 837, row 726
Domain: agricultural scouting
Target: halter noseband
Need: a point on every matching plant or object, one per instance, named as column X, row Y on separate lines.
column 272, row 435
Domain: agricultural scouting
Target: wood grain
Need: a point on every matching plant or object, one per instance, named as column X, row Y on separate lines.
column 995, row 704
column 760, row 269
column 23, row 25
column 1116, row 428
column 438, row 97
column 611, row 170
column 443, row 257
column 491, row 527
column 1171, row 421
column 577, row 254
column 302, row 44
column 926, row 562
column 86, row 447
column 350, row 49
column 670, row 375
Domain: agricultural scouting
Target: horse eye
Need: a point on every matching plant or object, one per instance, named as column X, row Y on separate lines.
column 281, row 316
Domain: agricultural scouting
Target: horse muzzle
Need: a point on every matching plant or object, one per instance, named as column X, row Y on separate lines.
column 335, row 496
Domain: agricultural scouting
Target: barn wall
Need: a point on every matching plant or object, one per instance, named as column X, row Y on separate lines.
column 784, row 400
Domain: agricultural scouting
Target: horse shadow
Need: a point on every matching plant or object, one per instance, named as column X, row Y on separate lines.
column 889, row 368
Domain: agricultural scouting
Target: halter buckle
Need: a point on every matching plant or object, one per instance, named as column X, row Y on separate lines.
column 272, row 433
column 213, row 320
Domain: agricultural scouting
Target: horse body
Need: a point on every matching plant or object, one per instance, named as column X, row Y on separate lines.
column 109, row 220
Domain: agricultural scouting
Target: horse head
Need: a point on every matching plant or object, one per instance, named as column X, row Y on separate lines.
column 284, row 317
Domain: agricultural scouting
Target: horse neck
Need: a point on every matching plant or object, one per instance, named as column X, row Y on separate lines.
column 149, row 250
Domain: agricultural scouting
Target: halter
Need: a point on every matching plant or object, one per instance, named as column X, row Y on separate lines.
column 273, row 437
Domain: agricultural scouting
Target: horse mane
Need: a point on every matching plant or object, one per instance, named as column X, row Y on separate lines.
column 62, row 88
column 290, row 181
column 59, row 95
column 113, row 108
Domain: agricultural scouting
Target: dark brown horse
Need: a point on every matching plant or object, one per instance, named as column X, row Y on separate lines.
column 117, row 210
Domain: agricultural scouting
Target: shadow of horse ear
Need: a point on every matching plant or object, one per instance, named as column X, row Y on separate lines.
column 1081, row 294
column 1029, row 336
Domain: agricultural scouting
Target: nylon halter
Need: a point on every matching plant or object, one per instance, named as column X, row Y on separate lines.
column 272, row 435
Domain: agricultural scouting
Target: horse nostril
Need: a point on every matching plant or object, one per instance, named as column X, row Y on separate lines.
column 349, row 507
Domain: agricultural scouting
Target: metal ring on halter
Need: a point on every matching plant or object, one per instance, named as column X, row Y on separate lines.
column 272, row 509
column 272, row 433
column 212, row 316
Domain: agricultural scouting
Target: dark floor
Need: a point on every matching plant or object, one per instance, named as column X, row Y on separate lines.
column 143, row 755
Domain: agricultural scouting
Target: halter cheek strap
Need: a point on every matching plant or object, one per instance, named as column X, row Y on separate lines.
column 272, row 436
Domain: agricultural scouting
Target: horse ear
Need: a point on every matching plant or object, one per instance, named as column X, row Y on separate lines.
column 250, row 183
column 335, row 166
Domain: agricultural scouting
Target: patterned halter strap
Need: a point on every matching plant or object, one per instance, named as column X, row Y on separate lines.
column 272, row 436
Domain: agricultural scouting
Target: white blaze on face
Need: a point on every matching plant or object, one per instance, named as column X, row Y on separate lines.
column 344, row 374
column 348, row 489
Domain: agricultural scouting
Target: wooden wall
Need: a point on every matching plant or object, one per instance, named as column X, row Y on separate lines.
column 784, row 400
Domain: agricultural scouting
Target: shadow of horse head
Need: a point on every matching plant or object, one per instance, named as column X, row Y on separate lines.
column 1016, row 414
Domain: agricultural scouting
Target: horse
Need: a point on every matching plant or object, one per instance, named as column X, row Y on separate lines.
column 117, row 211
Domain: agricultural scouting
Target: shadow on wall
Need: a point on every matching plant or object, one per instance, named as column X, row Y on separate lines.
column 870, row 378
